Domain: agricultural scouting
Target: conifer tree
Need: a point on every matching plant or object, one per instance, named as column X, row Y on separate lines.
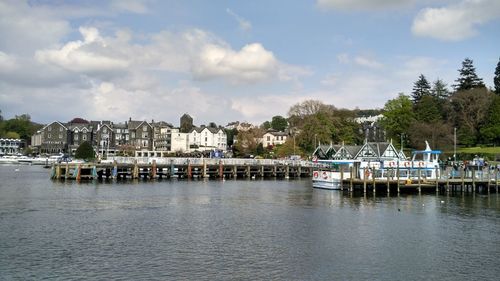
column 421, row 88
column 439, row 90
column 468, row 78
column 496, row 79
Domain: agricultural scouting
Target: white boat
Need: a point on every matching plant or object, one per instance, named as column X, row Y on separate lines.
column 328, row 174
column 424, row 164
column 9, row 159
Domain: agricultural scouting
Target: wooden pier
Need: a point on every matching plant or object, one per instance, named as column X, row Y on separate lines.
column 183, row 168
column 483, row 181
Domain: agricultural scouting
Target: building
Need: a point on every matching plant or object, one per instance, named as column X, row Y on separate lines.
column 207, row 138
column 369, row 151
column 10, row 146
column 272, row 138
column 54, row 138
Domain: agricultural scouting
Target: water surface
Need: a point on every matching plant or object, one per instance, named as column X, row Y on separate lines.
column 238, row 229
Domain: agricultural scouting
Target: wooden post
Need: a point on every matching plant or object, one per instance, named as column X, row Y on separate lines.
column 248, row 171
column 115, row 169
column 204, row 169
column 262, row 171
column 496, row 180
column 437, row 180
column 489, row 181
column 287, row 172
column 473, row 181
column 463, row 180
column 299, row 171
column 58, row 171
column 235, row 171
column 373, row 179
column 135, row 171
column 189, row 172
column 364, row 179
column 351, row 179
column 341, row 177
column 419, row 181
column 388, row 182
column 66, row 174
column 397, row 175
column 221, row 169
column 79, row 173
column 153, row 169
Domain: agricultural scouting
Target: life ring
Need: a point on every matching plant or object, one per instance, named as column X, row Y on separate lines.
column 391, row 164
column 421, row 164
column 315, row 174
column 367, row 173
column 325, row 175
column 407, row 164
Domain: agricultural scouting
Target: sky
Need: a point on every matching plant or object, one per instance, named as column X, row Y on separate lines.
column 224, row 61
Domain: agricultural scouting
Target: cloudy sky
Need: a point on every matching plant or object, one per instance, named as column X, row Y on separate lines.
column 224, row 61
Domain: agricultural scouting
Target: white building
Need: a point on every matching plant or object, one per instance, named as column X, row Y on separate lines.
column 272, row 138
column 205, row 138
column 10, row 146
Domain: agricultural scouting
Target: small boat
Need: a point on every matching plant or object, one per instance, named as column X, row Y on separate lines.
column 328, row 174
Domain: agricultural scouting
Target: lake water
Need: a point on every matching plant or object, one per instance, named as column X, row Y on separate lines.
column 238, row 230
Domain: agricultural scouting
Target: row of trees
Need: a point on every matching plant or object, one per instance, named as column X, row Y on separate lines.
column 432, row 112
column 19, row 127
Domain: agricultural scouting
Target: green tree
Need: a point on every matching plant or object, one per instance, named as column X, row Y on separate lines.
column 279, row 123
column 12, row 135
column 470, row 110
column 427, row 110
column 85, row 151
column 397, row 116
column 496, row 79
column 421, row 88
column 490, row 132
column 231, row 133
column 468, row 78
column 440, row 90
column 22, row 125
column 266, row 125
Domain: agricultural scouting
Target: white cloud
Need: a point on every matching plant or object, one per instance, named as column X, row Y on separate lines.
column 362, row 4
column 133, row 6
column 455, row 22
column 367, row 62
column 83, row 56
column 244, row 24
column 344, row 58
column 25, row 28
column 251, row 63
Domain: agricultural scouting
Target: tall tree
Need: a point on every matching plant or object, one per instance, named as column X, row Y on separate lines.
column 421, row 88
column 398, row 116
column 279, row 123
column 496, row 79
column 468, row 78
column 469, row 113
column 490, row 132
column 440, row 90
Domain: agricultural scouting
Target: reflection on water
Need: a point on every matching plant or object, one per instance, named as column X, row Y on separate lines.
column 238, row 229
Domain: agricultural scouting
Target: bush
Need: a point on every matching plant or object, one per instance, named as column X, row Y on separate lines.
column 85, row 152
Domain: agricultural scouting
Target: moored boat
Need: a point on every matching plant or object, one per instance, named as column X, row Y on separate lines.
column 328, row 174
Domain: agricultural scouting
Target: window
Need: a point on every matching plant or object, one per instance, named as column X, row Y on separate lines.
column 49, row 128
column 144, row 135
column 76, row 136
column 144, row 129
column 49, row 135
column 84, row 137
column 105, row 130
column 268, row 138
column 60, row 136
column 206, row 139
column 60, row 129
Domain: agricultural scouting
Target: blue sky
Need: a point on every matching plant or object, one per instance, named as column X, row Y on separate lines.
column 225, row 61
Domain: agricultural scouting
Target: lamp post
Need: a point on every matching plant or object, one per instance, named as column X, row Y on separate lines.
column 455, row 144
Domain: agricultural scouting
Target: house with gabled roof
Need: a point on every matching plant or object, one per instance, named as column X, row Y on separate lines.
column 207, row 138
column 325, row 151
column 54, row 138
column 273, row 137
column 141, row 134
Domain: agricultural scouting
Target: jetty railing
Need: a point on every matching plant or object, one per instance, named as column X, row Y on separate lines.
column 208, row 161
